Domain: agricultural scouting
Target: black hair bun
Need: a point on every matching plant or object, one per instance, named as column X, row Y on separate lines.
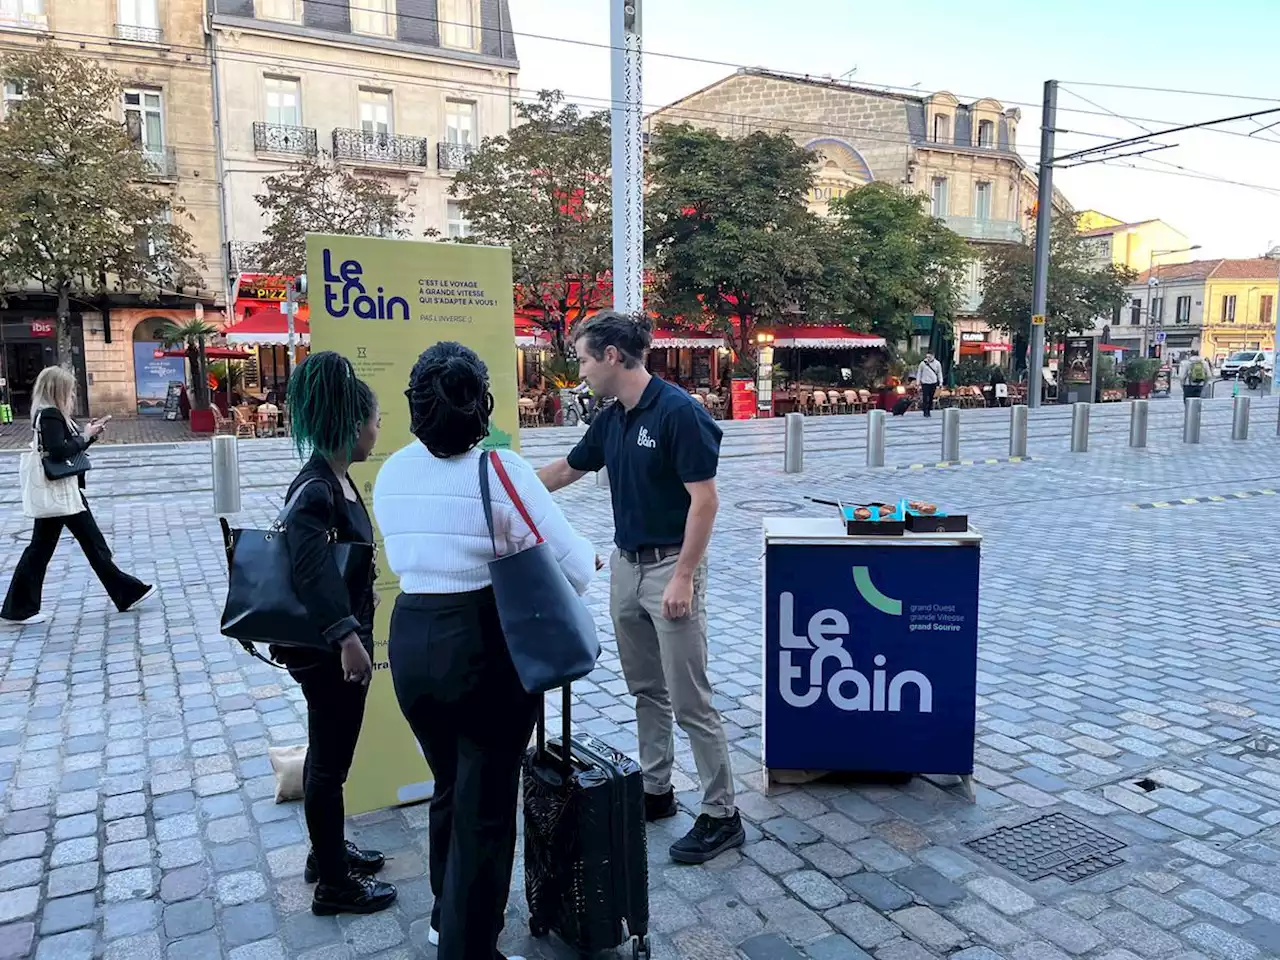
column 449, row 399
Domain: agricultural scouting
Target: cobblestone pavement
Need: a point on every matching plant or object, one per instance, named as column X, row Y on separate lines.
column 17, row 435
column 1128, row 681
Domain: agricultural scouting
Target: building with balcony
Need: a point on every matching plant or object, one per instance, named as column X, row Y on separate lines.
column 399, row 90
column 962, row 157
column 166, row 106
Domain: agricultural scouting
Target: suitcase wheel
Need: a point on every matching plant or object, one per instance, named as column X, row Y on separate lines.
column 640, row 949
column 538, row 928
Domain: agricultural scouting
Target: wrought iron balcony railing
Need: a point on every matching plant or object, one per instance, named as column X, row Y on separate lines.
column 993, row 231
column 162, row 161
column 453, row 156
column 385, row 149
column 127, row 31
column 284, row 138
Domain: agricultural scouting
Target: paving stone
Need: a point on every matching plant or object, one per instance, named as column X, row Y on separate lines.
column 1066, row 932
column 790, row 831
column 881, row 892
column 878, row 855
column 19, row 904
column 67, row 913
column 188, row 917
column 1158, row 910
column 1133, row 932
column 904, row 950
column 247, row 923
column 862, row 925
column 986, row 924
column 16, row 940
column 831, row 860
column 236, row 888
column 1001, row 894
column 1213, row 905
column 201, row 945
column 926, row 925
column 793, row 920
column 124, row 856
column 24, row 873
column 76, row 945
column 931, row 886
column 145, row 946
column 262, row 950
column 703, row 944
column 23, row 846
column 80, row 850
column 183, row 883
column 130, row 918
column 836, row 947
column 768, row 946
column 1219, row 943
column 772, row 857
column 135, row 883
column 814, row 889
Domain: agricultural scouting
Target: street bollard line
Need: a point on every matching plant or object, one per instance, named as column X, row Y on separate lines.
column 226, row 476
column 875, row 438
column 1018, row 430
column 1139, row 411
column 793, row 443
column 1080, row 428
column 1191, row 420
column 951, row 434
column 1240, row 418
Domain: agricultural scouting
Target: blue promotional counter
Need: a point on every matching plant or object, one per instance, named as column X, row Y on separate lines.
column 870, row 651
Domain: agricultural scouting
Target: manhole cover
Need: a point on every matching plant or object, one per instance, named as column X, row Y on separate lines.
column 1055, row 845
column 768, row 506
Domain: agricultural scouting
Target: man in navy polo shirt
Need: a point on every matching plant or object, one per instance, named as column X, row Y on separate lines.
column 662, row 450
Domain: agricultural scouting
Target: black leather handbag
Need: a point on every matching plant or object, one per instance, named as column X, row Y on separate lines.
column 61, row 469
column 550, row 634
column 262, row 605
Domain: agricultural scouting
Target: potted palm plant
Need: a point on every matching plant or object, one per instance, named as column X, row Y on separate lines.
column 193, row 335
column 1139, row 375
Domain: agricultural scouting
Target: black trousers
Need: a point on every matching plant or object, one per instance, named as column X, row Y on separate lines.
column 459, row 691
column 927, row 390
column 335, row 711
column 27, row 586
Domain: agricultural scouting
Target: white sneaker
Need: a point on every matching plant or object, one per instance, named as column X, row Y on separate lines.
column 433, row 937
column 151, row 592
column 31, row 621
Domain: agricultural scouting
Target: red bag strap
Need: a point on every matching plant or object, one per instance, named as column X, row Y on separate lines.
column 507, row 485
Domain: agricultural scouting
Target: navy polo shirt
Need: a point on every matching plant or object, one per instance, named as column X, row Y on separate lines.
column 652, row 450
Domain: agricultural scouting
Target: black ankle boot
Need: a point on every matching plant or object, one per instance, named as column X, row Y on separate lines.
column 356, row 895
column 363, row 863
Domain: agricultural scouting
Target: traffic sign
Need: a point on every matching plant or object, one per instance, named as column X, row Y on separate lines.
column 1160, row 336
column 1037, row 320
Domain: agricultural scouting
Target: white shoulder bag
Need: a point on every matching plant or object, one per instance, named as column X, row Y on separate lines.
column 42, row 497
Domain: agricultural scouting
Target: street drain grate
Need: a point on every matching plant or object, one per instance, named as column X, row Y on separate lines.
column 768, row 506
column 1054, row 845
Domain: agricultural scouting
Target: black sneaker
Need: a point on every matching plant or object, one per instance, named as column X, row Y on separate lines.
column 357, row 895
column 710, row 837
column 362, row 863
column 660, row 806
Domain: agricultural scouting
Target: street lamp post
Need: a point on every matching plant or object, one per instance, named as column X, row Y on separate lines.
column 1153, row 282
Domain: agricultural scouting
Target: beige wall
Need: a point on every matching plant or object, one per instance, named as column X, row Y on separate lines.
column 330, row 75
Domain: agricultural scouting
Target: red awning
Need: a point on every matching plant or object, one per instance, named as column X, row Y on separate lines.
column 686, row 339
column 1110, row 348
column 210, row 353
column 825, row 338
column 269, row 328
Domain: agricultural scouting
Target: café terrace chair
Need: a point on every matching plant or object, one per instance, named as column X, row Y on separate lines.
column 804, row 402
column 244, row 423
column 852, row 402
column 821, row 404
column 221, row 425
column 864, row 397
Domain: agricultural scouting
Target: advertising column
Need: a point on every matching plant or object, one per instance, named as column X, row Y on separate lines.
column 381, row 303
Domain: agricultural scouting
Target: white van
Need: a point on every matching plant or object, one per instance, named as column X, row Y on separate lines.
column 1244, row 359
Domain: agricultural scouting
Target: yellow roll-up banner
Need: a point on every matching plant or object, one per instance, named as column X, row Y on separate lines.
column 381, row 303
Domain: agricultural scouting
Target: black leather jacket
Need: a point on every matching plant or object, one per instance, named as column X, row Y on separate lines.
column 322, row 507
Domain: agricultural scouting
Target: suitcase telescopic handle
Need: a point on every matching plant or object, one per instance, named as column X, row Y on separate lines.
column 565, row 699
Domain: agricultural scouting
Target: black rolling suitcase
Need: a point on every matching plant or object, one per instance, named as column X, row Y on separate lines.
column 585, row 851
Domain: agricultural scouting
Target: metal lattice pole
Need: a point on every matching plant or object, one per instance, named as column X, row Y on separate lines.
column 628, row 158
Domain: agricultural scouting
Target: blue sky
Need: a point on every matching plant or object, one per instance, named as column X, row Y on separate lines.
column 993, row 48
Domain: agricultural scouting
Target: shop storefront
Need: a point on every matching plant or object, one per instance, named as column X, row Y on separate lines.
column 978, row 345
column 687, row 358
column 28, row 344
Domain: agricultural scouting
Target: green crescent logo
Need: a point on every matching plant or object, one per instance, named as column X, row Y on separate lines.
column 869, row 593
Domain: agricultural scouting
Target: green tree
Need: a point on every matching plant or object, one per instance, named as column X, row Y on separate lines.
column 729, row 230
column 193, row 336
column 1079, row 291
column 318, row 195
column 885, row 258
column 543, row 190
column 80, row 213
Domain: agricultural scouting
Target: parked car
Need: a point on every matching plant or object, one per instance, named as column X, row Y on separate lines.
column 1241, row 359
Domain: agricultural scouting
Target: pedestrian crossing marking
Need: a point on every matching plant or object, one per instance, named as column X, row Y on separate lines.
column 1213, row 498
column 947, row 464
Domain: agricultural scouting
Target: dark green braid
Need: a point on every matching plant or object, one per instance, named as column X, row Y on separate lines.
column 328, row 405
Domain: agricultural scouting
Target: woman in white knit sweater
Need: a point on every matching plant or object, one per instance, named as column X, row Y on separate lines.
column 452, row 673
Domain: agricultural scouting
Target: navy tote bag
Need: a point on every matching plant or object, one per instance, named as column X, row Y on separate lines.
column 550, row 633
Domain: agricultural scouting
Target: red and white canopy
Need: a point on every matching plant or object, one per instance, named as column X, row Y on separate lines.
column 825, row 338
column 685, row 339
column 269, row 328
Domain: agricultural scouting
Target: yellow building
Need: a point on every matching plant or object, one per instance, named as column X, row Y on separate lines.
column 157, row 48
column 1240, row 299
column 1138, row 246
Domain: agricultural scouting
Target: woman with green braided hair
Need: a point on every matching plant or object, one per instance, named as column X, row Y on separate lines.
column 335, row 424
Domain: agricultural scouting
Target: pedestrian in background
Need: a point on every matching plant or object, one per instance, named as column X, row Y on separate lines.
column 60, row 438
column 662, row 450
column 1198, row 373
column 452, row 671
column 335, row 423
column 929, row 375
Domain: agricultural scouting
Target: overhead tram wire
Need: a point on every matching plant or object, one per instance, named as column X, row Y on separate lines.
column 1190, row 93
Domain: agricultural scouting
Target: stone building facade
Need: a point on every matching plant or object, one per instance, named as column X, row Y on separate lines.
column 158, row 49
column 963, row 157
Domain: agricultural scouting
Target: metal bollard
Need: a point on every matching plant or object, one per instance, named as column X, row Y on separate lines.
column 1139, row 412
column 1018, row 430
column 1080, row 428
column 951, row 434
column 602, row 478
column 1191, row 420
column 793, row 444
column 226, row 476
column 1240, row 418
column 875, row 438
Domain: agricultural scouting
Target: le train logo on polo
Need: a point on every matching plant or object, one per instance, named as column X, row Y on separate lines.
column 344, row 293
column 802, row 683
column 644, row 440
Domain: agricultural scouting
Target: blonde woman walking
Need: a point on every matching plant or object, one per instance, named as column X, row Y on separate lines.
column 61, row 438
